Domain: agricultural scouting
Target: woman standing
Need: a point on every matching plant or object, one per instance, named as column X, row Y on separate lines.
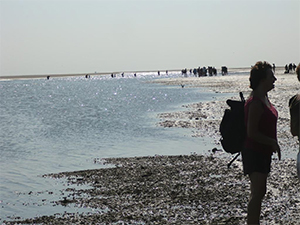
column 294, row 105
column 261, row 141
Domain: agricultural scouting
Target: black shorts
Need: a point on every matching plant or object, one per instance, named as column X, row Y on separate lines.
column 255, row 162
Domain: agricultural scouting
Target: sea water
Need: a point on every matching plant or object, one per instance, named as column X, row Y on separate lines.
column 63, row 124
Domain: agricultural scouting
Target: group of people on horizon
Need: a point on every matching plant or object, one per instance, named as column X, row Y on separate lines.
column 261, row 139
column 203, row 71
column 290, row 68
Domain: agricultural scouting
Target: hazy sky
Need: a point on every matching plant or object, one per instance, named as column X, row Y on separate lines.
column 82, row 36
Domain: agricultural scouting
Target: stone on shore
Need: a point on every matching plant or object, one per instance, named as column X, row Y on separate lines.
column 192, row 189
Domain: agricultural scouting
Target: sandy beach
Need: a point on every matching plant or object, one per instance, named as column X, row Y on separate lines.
column 191, row 189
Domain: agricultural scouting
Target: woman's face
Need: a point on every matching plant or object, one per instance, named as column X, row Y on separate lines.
column 269, row 81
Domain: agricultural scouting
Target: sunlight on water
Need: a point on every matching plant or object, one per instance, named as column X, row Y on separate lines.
column 62, row 124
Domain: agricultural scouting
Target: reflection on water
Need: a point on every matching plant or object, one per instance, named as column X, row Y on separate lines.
column 62, row 124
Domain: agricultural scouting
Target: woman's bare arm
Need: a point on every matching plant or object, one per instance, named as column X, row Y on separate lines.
column 255, row 111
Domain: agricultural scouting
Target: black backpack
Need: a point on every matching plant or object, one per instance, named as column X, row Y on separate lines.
column 232, row 127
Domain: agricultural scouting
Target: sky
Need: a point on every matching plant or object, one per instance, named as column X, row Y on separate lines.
column 83, row 36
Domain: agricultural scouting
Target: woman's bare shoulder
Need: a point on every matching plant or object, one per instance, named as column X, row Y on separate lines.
column 256, row 106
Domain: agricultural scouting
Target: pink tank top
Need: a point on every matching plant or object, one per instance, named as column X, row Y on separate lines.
column 267, row 126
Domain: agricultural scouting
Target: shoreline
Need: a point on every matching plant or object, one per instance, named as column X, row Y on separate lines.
column 44, row 76
column 206, row 116
column 185, row 189
column 39, row 76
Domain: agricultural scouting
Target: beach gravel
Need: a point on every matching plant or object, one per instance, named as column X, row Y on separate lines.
column 185, row 189
column 192, row 189
column 206, row 117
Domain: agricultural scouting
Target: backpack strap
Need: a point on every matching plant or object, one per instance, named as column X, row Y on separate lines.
column 242, row 97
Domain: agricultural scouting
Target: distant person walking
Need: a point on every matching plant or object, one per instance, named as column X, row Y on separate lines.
column 261, row 141
column 294, row 105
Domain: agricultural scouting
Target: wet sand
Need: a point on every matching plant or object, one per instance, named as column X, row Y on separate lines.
column 192, row 189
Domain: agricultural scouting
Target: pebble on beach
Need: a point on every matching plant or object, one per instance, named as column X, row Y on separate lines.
column 185, row 189
column 192, row 189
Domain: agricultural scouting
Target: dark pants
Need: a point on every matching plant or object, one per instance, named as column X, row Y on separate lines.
column 254, row 161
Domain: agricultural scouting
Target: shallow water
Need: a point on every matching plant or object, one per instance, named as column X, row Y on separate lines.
column 63, row 124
